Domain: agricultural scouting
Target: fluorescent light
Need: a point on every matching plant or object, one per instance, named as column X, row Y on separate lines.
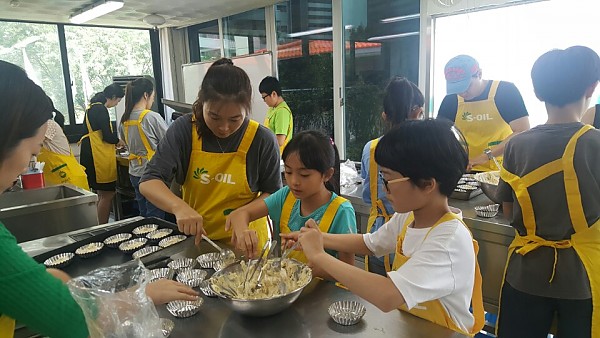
column 401, row 18
column 315, row 31
column 393, row 36
column 95, row 10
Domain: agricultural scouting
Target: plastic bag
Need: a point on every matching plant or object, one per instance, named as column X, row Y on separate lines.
column 349, row 177
column 114, row 302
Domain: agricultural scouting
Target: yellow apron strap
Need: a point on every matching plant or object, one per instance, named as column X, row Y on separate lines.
column 248, row 137
column 143, row 137
column 286, row 212
column 572, row 183
column 7, row 327
column 493, row 89
column 330, row 212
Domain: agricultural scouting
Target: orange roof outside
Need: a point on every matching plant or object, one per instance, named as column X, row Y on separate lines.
column 293, row 49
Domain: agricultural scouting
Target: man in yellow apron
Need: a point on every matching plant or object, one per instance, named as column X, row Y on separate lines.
column 216, row 184
column 551, row 172
column 279, row 116
column 61, row 166
column 487, row 112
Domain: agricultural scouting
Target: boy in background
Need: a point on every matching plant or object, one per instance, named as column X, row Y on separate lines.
column 279, row 116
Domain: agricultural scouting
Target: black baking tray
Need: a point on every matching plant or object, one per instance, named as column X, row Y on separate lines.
column 114, row 256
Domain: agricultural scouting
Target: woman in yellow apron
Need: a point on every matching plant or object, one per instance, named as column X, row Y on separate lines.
column 550, row 185
column 30, row 294
column 435, row 274
column 402, row 101
column 141, row 129
column 222, row 158
column 311, row 162
column 98, row 154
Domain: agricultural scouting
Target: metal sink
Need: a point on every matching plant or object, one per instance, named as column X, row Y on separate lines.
column 39, row 213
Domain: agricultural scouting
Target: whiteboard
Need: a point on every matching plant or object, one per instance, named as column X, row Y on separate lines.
column 256, row 66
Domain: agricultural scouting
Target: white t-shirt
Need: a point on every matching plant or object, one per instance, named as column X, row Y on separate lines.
column 441, row 267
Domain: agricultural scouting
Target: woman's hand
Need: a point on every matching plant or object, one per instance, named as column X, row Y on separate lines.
column 189, row 221
column 311, row 239
column 164, row 290
column 63, row 276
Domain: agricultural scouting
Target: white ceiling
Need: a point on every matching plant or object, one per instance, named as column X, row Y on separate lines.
column 176, row 12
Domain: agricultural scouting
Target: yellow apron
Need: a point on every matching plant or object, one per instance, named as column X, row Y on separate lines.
column 324, row 223
column 377, row 206
column 585, row 240
column 217, row 183
column 7, row 327
column 290, row 129
column 62, row 169
column 433, row 310
column 143, row 137
column 482, row 125
column 104, row 154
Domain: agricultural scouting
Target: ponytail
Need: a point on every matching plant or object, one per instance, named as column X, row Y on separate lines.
column 134, row 92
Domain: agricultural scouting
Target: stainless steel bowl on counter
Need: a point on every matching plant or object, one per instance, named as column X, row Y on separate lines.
column 259, row 307
column 489, row 184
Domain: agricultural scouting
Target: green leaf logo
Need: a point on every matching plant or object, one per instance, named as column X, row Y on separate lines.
column 466, row 116
column 227, row 211
column 198, row 172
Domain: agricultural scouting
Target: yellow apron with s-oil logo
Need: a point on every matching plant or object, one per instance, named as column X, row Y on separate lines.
column 586, row 239
column 433, row 310
column 324, row 223
column 288, row 135
column 62, row 169
column 217, row 183
column 138, row 123
column 377, row 206
column 7, row 327
column 482, row 125
column 105, row 161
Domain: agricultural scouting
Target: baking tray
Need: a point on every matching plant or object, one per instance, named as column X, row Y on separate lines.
column 113, row 256
column 466, row 195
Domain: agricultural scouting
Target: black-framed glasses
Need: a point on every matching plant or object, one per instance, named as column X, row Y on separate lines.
column 386, row 183
column 265, row 96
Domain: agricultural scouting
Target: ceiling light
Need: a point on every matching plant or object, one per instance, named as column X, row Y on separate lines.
column 154, row 20
column 393, row 36
column 401, row 18
column 95, row 10
column 316, row 31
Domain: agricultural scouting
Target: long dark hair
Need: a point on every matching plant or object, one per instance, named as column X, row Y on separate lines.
column 110, row 92
column 401, row 97
column 317, row 152
column 222, row 82
column 24, row 107
column 134, row 92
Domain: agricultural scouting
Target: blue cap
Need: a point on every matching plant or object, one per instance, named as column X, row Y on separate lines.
column 458, row 72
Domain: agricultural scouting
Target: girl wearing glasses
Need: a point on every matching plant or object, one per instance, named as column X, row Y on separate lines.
column 402, row 101
column 435, row 273
column 312, row 172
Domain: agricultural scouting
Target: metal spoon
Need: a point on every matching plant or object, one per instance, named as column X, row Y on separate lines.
column 225, row 253
column 491, row 157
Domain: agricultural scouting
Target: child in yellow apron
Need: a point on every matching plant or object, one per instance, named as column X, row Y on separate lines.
column 435, row 273
column 307, row 196
column 560, row 238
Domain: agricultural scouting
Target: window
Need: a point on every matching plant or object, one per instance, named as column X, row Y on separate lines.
column 205, row 44
column 96, row 55
column 381, row 42
column 35, row 48
column 245, row 33
column 305, row 62
column 507, row 41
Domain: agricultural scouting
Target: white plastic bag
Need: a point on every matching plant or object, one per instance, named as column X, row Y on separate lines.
column 114, row 302
column 349, row 177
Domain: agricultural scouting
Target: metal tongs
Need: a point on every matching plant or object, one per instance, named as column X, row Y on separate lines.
column 257, row 265
column 491, row 157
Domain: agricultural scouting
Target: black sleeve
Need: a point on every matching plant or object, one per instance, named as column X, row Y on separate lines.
column 100, row 120
column 172, row 157
column 510, row 102
column 448, row 108
column 597, row 116
column 269, row 171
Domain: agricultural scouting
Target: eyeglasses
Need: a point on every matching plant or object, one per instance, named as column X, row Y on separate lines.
column 264, row 97
column 386, row 183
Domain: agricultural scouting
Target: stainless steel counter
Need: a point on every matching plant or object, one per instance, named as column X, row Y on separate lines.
column 493, row 235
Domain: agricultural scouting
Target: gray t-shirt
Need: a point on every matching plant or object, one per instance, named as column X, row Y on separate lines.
column 172, row 157
column 524, row 153
column 154, row 127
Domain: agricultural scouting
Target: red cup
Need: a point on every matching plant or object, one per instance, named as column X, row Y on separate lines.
column 32, row 180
